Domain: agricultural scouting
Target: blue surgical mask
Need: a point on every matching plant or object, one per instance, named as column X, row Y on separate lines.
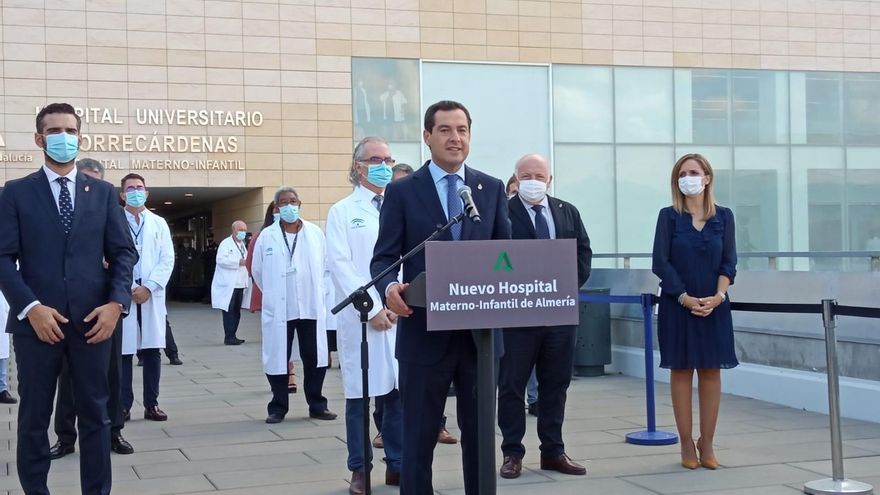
column 240, row 235
column 276, row 216
column 379, row 175
column 136, row 199
column 62, row 147
column 289, row 213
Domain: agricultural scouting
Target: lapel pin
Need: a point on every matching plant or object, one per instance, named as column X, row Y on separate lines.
column 87, row 189
column 480, row 187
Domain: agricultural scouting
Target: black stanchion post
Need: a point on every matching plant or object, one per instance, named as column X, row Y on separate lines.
column 486, row 410
column 837, row 484
column 364, row 304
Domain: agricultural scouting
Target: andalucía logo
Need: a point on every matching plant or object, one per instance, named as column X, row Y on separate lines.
column 503, row 263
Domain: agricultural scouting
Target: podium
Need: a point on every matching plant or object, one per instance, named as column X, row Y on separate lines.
column 485, row 285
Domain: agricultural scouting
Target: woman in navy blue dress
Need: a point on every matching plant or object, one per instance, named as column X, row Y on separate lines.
column 695, row 259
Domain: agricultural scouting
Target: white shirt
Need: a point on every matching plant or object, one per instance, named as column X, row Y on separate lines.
column 241, row 280
column 544, row 211
column 56, row 187
column 300, row 295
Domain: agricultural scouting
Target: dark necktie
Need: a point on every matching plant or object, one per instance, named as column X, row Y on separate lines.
column 65, row 205
column 377, row 202
column 453, row 203
column 541, row 228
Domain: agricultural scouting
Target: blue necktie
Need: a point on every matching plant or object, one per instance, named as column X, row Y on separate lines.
column 541, row 228
column 65, row 205
column 453, row 203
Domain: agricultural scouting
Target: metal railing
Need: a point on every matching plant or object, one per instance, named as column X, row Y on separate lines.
column 772, row 257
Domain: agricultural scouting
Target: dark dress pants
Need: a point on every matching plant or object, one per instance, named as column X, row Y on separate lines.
column 39, row 365
column 423, row 389
column 551, row 351
column 152, row 360
column 313, row 377
column 170, row 345
column 232, row 316
column 65, row 412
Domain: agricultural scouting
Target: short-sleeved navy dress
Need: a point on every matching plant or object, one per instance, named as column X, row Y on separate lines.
column 690, row 260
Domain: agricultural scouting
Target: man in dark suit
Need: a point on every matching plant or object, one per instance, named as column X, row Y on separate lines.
column 65, row 412
column 59, row 226
column 550, row 350
column 429, row 361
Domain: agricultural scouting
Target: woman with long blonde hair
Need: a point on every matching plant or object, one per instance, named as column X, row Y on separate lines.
column 695, row 259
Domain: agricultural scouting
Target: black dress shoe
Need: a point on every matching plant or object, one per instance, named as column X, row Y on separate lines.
column 60, row 450
column 7, row 398
column 325, row 415
column 174, row 360
column 120, row 445
column 155, row 414
column 274, row 418
column 233, row 342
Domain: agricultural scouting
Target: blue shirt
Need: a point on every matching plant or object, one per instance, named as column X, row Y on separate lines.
column 442, row 185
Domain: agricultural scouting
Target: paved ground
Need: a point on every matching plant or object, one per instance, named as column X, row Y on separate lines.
column 216, row 441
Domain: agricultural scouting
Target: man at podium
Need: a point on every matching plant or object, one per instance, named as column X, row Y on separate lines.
column 429, row 361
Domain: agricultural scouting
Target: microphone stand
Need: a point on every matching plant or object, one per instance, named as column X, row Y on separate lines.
column 361, row 301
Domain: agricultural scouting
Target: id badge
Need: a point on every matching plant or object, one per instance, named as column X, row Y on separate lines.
column 291, row 269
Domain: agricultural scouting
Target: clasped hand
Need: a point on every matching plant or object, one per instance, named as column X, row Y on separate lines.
column 702, row 306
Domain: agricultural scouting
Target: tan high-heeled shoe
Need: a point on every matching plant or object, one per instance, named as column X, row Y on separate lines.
column 690, row 464
column 708, row 463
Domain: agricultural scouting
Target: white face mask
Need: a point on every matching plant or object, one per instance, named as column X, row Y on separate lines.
column 691, row 186
column 533, row 191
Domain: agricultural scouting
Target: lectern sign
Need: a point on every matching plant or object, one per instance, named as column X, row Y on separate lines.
column 501, row 284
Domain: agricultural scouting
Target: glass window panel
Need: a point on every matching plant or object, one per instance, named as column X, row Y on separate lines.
column 761, row 185
column 385, row 99
column 643, row 187
column 863, row 203
column 702, row 106
column 582, row 104
column 862, row 108
column 817, row 204
column 509, row 105
column 760, row 107
column 643, row 105
column 816, row 107
column 584, row 176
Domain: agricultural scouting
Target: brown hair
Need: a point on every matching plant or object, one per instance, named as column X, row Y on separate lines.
column 708, row 195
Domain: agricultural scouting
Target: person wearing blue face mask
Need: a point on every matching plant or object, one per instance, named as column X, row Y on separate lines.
column 352, row 231
column 58, row 228
column 230, row 281
column 289, row 267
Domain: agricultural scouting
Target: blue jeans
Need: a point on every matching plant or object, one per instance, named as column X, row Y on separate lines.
column 4, row 373
column 392, row 432
column 532, row 389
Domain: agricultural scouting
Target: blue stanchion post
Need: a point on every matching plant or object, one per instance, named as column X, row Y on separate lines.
column 650, row 436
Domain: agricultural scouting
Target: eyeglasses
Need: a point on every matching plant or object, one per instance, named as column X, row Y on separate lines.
column 135, row 188
column 375, row 160
column 284, row 202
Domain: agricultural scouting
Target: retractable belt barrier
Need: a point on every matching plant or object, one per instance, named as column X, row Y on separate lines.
column 829, row 309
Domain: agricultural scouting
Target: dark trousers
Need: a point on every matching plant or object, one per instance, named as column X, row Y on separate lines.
column 232, row 316
column 152, row 372
column 65, row 412
column 170, row 345
column 423, row 389
column 379, row 414
column 551, row 351
column 39, row 365
column 313, row 377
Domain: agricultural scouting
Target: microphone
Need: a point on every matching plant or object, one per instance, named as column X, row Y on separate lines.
column 470, row 208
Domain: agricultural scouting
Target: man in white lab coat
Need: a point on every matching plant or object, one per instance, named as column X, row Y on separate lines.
column 352, row 229
column 5, row 396
column 144, row 327
column 288, row 267
column 230, row 281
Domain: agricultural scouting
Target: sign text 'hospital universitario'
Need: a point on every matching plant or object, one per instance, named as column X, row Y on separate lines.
column 162, row 143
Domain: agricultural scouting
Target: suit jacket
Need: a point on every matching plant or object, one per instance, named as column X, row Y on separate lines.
column 412, row 211
column 567, row 221
column 63, row 272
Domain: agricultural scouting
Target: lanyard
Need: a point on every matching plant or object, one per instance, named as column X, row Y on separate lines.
column 136, row 234
column 290, row 249
column 241, row 250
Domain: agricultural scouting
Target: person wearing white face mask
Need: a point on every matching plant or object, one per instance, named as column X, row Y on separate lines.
column 230, row 281
column 547, row 350
column 289, row 267
column 695, row 259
